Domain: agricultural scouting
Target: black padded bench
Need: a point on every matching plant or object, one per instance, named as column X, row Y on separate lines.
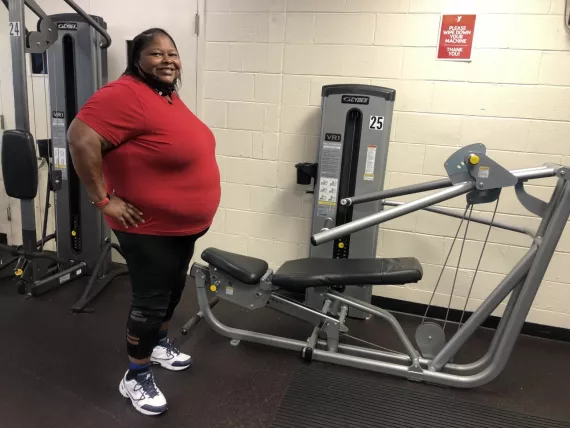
column 297, row 275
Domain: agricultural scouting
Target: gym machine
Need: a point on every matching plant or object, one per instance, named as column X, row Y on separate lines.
column 249, row 283
column 77, row 61
column 356, row 122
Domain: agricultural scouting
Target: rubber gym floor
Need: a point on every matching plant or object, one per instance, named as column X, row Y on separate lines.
column 62, row 370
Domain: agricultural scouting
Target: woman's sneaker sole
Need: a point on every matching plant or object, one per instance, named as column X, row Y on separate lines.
column 167, row 365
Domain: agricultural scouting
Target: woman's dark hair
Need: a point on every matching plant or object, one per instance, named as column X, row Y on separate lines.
column 139, row 44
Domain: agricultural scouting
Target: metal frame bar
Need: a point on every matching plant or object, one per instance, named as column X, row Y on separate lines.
column 537, row 172
column 418, row 204
column 295, row 309
column 486, row 359
column 34, row 7
column 201, row 273
column 383, row 216
column 522, row 284
column 554, row 200
column 92, row 22
column 16, row 14
column 400, row 191
column 473, row 218
column 491, row 303
column 380, row 313
column 60, row 278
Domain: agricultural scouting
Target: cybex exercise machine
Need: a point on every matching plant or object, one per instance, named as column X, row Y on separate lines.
column 77, row 67
column 249, row 283
column 356, row 123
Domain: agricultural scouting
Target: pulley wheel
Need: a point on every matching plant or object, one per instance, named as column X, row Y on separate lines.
column 430, row 338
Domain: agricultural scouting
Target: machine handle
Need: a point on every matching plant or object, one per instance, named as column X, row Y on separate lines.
column 91, row 22
column 524, row 174
column 381, row 217
column 400, row 191
column 407, row 208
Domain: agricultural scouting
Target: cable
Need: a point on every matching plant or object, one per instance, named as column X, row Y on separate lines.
column 478, row 264
column 46, row 214
column 42, row 212
column 457, row 269
column 372, row 344
column 444, row 265
column 48, row 187
column 49, row 166
column 34, row 106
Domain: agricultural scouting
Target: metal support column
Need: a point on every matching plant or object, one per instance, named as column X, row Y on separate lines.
column 17, row 29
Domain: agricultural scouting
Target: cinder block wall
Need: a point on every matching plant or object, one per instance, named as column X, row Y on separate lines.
column 266, row 61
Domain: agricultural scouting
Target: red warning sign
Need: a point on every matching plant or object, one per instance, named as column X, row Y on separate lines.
column 456, row 37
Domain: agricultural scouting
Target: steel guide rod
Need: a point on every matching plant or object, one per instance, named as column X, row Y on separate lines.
column 474, row 218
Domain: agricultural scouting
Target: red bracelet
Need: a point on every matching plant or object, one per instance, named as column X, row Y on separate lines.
column 102, row 203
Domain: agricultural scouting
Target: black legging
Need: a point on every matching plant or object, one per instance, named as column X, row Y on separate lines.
column 158, row 267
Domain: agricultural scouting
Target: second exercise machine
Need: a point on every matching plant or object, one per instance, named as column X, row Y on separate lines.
column 355, row 134
column 77, row 64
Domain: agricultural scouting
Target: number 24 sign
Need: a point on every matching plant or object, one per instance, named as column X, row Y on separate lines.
column 14, row 29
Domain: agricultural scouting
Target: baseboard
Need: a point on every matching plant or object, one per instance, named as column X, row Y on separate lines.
column 418, row 309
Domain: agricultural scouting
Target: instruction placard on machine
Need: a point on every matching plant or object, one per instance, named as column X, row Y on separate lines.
column 330, row 172
column 370, row 163
column 59, row 157
column 58, row 135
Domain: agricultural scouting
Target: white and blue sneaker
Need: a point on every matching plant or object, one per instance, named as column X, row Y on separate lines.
column 168, row 356
column 144, row 394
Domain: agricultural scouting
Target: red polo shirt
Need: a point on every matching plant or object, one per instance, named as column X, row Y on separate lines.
column 165, row 162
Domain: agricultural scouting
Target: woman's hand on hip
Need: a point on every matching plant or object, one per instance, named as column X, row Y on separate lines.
column 122, row 211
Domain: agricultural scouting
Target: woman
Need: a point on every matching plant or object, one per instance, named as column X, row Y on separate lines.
column 160, row 192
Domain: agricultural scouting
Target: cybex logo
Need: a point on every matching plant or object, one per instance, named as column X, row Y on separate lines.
column 337, row 138
column 67, row 26
column 57, row 114
column 354, row 99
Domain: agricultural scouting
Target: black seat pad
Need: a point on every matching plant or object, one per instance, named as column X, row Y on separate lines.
column 297, row 275
column 248, row 270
